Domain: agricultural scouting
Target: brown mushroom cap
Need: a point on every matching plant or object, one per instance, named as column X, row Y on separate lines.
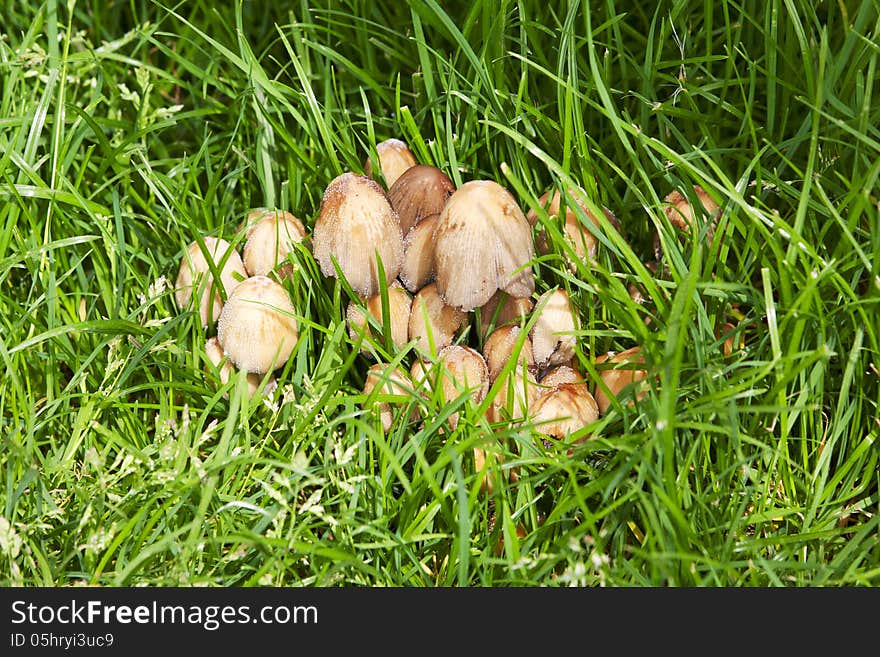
column 622, row 375
column 399, row 303
column 270, row 237
column 482, row 243
column 500, row 348
column 462, row 369
column 552, row 334
column 681, row 213
column 257, row 329
column 560, row 374
column 582, row 238
column 395, row 157
column 417, row 269
column 514, row 401
column 418, row 194
column 502, row 309
column 390, row 381
column 355, row 223
column 430, row 316
column 225, row 369
column 563, row 410
column 194, row 287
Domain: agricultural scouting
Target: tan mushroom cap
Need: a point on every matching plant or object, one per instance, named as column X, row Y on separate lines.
column 462, row 369
column 553, row 339
column 395, row 157
column 195, row 288
column 417, row 269
column 560, row 374
column 399, row 303
column 681, row 213
column 355, row 223
column 563, row 410
column 502, row 309
column 516, row 395
column 225, row 369
column 257, row 328
column 431, row 320
column 583, row 240
column 501, row 347
column 482, row 243
column 390, row 381
column 622, row 375
column 271, row 235
column 418, row 194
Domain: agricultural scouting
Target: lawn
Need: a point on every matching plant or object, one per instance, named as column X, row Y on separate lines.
column 749, row 457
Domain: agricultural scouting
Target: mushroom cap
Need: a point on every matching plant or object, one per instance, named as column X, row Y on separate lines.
column 583, row 240
column 390, row 381
column 395, row 157
column 622, row 375
column 257, row 328
column 399, row 303
column 553, row 338
column 355, row 222
column 502, row 309
column 482, row 243
column 270, row 237
column 195, row 288
column 681, row 213
column 462, row 369
column 418, row 194
column 430, row 316
column 560, row 374
column 563, row 410
column 514, row 401
column 417, row 269
column 500, row 348
column 225, row 369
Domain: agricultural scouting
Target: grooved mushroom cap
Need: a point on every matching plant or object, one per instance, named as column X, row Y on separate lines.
column 399, row 303
column 500, row 348
column 553, row 338
column 194, row 287
column 389, row 381
column 563, row 410
column 583, row 240
column 417, row 269
column 225, row 369
column 270, row 237
column 502, row 309
column 430, row 316
column 418, row 194
column 622, row 375
column 462, row 369
column 482, row 244
column 355, row 222
column 395, row 157
column 257, row 329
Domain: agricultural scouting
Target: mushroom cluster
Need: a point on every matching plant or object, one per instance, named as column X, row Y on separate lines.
column 243, row 298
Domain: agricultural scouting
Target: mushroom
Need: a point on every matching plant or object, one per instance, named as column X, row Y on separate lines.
column 257, row 329
column 502, row 309
column 225, row 369
column 399, row 303
column 195, row 288
column 418, row 194
column 583, row 240
column 389, row 381
column 417, row 268
column 462, row 370
column 432, row 322
column 516, row 395
column 269, row 238
column 482, row 243
column 621, row 375
column 355, row 225
column 501, row 347
column 563, row 410
column 561, row 374
column 552, row 334
column 683, row 216
column 395, row 157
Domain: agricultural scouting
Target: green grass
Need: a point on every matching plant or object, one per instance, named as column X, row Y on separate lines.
column 128, row 129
